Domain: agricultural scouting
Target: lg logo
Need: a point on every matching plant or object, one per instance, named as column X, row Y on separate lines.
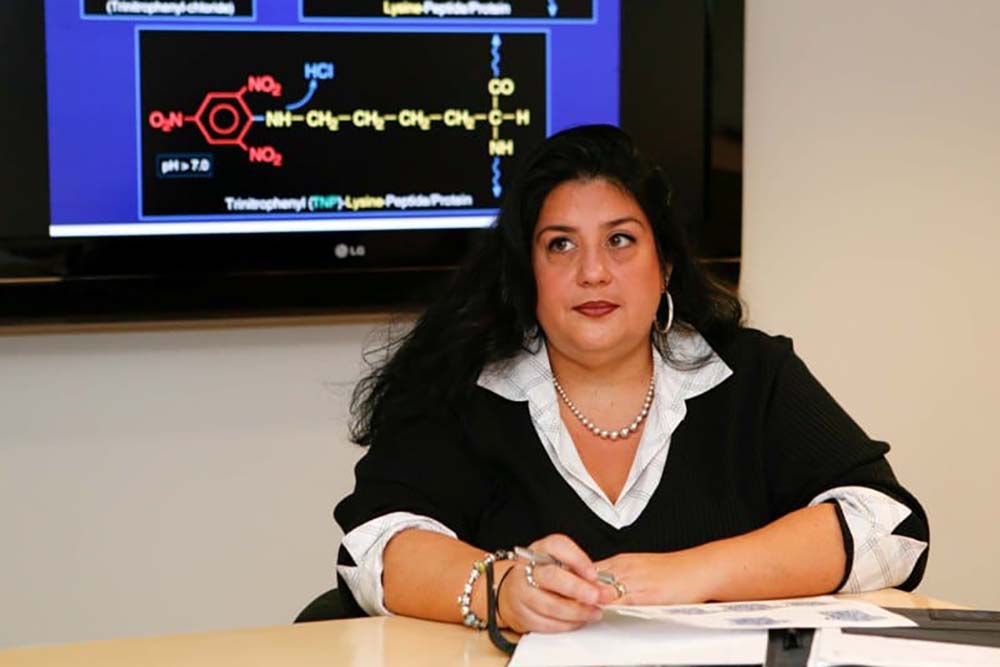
column 343, row 251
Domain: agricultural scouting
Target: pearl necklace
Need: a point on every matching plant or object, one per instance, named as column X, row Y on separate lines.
column 594, row 428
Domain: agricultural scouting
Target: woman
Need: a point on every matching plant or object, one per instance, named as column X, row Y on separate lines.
column 586, row 391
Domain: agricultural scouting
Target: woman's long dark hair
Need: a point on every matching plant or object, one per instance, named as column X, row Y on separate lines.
column 488, row 314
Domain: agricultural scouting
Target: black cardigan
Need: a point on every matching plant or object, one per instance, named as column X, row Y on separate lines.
column 761, row 444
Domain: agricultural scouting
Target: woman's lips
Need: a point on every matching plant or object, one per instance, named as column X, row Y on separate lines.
column 595, row 308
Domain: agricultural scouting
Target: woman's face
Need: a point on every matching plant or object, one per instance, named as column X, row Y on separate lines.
column 597, row 270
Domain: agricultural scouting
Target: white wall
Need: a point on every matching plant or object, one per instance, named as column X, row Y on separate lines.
column 871, row 232
column 173, row 481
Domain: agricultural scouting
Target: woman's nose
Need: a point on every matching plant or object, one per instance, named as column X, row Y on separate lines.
column 592, row 268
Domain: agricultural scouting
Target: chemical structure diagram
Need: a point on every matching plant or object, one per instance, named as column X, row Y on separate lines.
column 224, row 118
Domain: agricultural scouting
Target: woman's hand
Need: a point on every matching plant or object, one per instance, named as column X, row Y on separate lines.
column 680, row 577
column 564, row 599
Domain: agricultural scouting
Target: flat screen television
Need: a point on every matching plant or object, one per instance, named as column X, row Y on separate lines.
column 215, row 158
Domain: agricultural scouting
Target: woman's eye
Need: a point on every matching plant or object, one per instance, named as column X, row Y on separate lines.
column 560, row 244
column 620, row 240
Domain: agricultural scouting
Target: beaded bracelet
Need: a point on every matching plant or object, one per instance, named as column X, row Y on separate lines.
column 469, row 617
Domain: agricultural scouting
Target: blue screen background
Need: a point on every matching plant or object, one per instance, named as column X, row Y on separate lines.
column 91, row 88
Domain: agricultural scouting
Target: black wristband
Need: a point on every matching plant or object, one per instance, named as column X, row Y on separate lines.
column 492, row 598
column 499, row 586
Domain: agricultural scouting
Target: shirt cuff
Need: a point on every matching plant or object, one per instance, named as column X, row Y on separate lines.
column 880, row 559
column 366, row 544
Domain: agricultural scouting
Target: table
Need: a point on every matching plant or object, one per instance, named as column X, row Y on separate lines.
column 360, row 642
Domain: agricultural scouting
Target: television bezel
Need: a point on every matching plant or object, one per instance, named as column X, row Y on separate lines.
column 666, row 97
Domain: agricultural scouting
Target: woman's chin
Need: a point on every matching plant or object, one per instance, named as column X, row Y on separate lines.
column 600, row 343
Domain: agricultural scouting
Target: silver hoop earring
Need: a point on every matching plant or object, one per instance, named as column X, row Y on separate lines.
column 670, row 317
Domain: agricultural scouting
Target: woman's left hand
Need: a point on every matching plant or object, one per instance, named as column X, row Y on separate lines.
column 680, row 577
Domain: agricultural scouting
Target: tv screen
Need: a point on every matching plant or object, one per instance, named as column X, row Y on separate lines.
column 176, row 158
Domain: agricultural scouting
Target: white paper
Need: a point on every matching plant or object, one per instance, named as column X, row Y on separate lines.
column 620, row 640
column 833, row 647
column 816, row 612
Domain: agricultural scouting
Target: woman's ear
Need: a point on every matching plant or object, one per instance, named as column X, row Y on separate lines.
column 667, row 270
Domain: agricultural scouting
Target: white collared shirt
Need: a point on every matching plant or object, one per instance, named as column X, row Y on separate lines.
column 528, row 377
column 880, row 558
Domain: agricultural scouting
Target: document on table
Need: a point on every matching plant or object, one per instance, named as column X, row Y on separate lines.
column 816, row 612
column 832, row 647
column 733, row 633
column 623, row 640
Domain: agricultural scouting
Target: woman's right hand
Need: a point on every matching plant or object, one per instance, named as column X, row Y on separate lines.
column 565, row 598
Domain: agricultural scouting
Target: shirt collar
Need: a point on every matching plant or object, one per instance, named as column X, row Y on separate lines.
column 528, row 376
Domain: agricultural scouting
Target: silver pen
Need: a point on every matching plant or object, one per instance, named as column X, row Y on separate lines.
column 603, row 576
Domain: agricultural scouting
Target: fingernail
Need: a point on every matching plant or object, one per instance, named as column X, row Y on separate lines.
column 597, row 615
